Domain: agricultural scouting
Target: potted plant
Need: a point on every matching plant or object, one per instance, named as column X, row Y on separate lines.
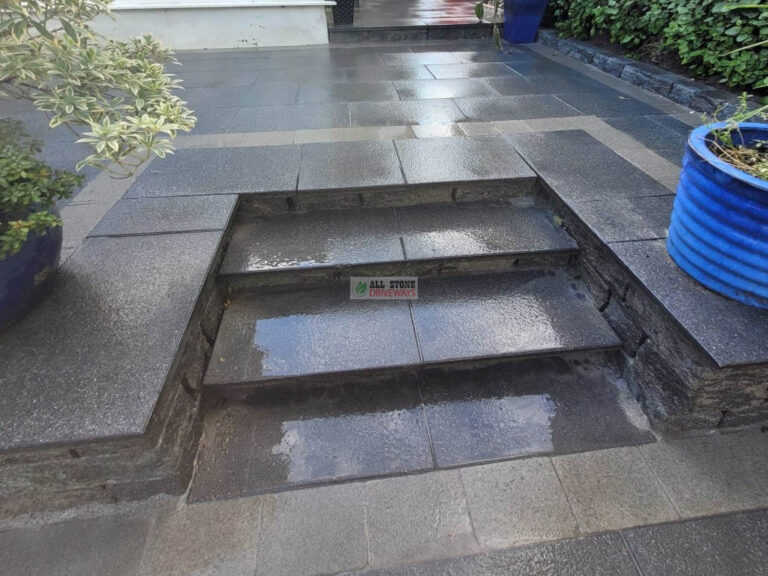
column 719, row 227
column 117, row 92
column 30, row 227
column 344, row 12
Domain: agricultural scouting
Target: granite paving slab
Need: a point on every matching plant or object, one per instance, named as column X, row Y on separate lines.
column 623, row 219
column 211, row 78
column 581, row 557
column 405, row 113
column 290, row 117
column 477, row 229
column 676, row 125
column 419, row 58
column 111, row 329
column 461, row 160
column 208, row 171
column 133, row 216
column 606, row 102
column 648, row 131
column 732, row 544
column 325, row 238
column 585, row 169
column 409, row 72
column 543, row 84
column 309, row 332
column 261, row 94
column 329, row 92
column 320, row 434
column 513, row 55
column 532, row 407
column 534, row 312
column 214, row 120
column 317, row 74
column 451, row 88
column 470, row 70
column 514, row 107
column 740, row 333
column 349, row 165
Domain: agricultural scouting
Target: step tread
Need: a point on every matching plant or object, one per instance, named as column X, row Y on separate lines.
column 305, row 333
column 351, row 237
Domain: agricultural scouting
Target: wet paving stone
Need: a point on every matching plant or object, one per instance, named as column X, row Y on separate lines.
column 325, row 238
column 419, row 58
column 349, row 165
column 451, row 88
column 623, row 219
column 542, row 84
column 470, row 70
column 412, row 72
column 362, row 429
column 290, row 117
column 535, row 407
column 439, row 111
column 534, row 312
column 476, row 229
column 606, row 102
column 514, row 107
column 329, row 92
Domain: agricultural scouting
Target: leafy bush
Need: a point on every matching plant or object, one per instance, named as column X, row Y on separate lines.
column 707, row 35
column 118, row 90
column 28, row 188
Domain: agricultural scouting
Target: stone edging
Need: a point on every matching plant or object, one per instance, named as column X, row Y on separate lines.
column 679, row 89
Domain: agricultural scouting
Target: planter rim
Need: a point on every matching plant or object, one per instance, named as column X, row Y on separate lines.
column 698, row 142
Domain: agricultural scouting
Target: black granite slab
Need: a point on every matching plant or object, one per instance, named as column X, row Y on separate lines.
column 133, row 216
column 584, row 168
column 207, row 171
column 607, row 102
column 514, row 107
column 110, row 331
column 622, row 219
column 449, row 88
column 290, row 117
column 260, row 94
column 330, row 92
column 470, row 70
column 440, row 111
column 731, row 333
column 648, row 131
column 410, row 72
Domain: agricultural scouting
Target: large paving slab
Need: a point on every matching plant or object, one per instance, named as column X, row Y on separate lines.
column 449, row 88
column 328, row 92
column 290, row 117
column 294, row 437
column 134, row 216
column 514, row 107
column 349, row 165
column 324, row 238
column 710, row 547
column 309, row 332
column 438, row 111
column 607, row 102
column 460, row 160
column 208, row 171
column 624, row 219
column 480, row 70
column 534, row 312
column 466, row 229
column 740, row 333
column 111, row 329
column 585, row 169
column 545, row 406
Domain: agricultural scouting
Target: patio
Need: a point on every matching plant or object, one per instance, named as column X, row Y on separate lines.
column 204, row 297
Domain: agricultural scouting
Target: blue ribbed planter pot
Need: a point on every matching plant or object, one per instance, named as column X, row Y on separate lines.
column 719, row 228
column 522, row 19
column 27, row 276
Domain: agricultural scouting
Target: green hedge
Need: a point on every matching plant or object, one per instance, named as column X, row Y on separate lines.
column 700, row 32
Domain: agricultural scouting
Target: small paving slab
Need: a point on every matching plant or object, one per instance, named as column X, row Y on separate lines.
column 307, row 333
column 172, row 214
column 732, row 544
column 478, row 229
column 525, row 408
column 461, row 160
column 326, row 238
column 623, row 219
column 328, row 92
column 220, row 171
column 314, row 435
column 533, row 311
column 470, row 70
column 290, row 117
column 740, row 333
column 439, row 111
column 112, row 332
column 577, row 557
column 349, row 165
column 514, row 107
column 606, row 102
column 450, row 88
column 585, row 169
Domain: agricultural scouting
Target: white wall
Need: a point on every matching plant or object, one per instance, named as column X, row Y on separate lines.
column 199, row 24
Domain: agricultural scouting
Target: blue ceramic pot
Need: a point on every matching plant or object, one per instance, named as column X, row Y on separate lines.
column 522, row 19
column 719, row 228
column 27, row 276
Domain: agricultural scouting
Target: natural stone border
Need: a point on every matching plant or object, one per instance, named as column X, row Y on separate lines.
column 679, row 89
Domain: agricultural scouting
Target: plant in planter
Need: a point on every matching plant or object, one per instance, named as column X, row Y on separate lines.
column 30, row 227
column 117, row 93
column 718, row 232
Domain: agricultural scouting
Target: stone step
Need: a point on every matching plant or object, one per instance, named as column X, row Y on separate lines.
column 320, row 335
column 330, row 246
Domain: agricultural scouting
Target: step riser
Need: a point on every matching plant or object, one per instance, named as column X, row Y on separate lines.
column 400, row 33
column 238, row 284
column 605, row 358
column 271, row 204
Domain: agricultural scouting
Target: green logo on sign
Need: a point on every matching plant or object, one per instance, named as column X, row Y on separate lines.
column 361, row 287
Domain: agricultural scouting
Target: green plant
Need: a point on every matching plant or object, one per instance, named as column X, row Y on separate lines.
column 750, row 159
column 28, row 188
column 119, row 91
column 711, row 37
